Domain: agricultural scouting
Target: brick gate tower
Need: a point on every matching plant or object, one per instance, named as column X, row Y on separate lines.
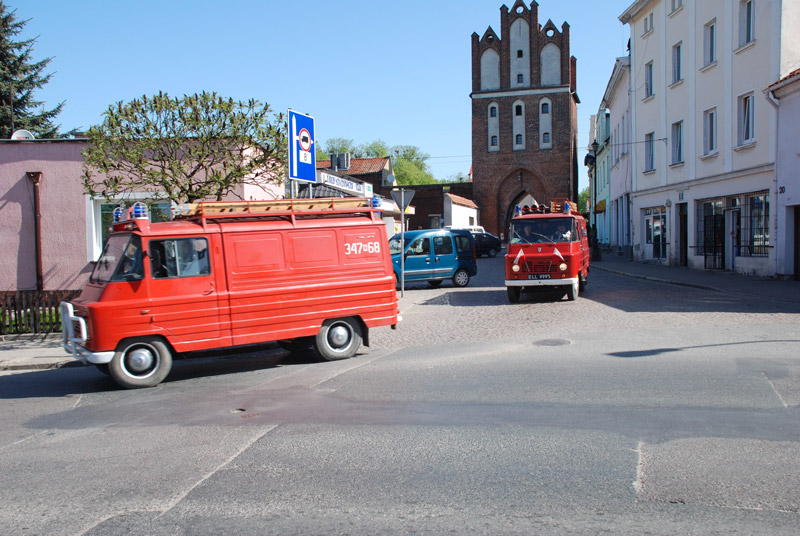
column 524, row 115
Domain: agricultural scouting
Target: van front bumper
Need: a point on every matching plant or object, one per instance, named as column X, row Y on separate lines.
column 541, row 282
column 73, row 342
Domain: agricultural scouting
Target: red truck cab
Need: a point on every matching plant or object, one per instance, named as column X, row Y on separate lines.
column 547, row 247
column 300, row 272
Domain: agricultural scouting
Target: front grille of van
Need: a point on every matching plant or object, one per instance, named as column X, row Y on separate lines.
column 538, row 267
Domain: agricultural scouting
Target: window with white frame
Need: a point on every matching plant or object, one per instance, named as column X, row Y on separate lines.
column 677, row 63
column 493, row 127
column 676, row 4
column 103, row 217
column 648, row 80
column 677, row 142
column 710, row 43
column 650, row 151
column 518, row 126
column 746, row 119
column 545, row 124
column 746, row 22
column 710, row 131
column 648, row 23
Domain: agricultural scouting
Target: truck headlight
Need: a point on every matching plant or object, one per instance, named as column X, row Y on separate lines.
column 563, row 266
column 515, row 268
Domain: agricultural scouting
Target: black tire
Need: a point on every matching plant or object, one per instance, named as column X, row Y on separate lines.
column 103, row 367
column 492, row 253
column 513, row 294
column 435, row 284
column 582, row 280
column 461, row 278
column 298, row 345
column 572, row 291
column 339, row 338
column 141, row 363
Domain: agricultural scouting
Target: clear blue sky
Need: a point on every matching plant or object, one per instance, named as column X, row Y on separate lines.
column 396, row 71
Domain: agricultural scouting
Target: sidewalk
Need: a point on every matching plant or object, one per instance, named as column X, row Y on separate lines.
column 31, row 352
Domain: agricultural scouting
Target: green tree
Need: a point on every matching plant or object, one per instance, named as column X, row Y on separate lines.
column 20, row 76
column 338, row 145
column 410, row 166
column 583, row 196
column 190, row 148
column 375, row 149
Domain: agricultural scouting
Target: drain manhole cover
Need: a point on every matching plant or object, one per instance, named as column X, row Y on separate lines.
column 552, row 342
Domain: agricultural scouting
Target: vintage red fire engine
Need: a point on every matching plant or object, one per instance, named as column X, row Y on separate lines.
column 547, row 248
column 300, row 272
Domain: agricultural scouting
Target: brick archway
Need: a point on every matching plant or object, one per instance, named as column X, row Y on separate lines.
column 516, row 184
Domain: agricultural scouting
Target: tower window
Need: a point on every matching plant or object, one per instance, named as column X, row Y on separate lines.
column 545, row 108
column 520, row 79
column 519, row 53
column 493, row 111
column 519, row 139
column 518, row 110
column 494, row 141
column 546, row 137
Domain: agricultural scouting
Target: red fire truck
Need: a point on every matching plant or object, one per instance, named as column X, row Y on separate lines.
column 548, row 247
column 311, row 272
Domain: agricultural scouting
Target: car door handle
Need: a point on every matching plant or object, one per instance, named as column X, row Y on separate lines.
column 209, row 291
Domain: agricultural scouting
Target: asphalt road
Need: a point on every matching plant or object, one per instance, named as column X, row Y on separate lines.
column 639, row 408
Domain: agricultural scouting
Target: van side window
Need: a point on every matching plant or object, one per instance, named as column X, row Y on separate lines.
column 462, row 244
column 182, row 257
column 442, row 245
column 420, row 246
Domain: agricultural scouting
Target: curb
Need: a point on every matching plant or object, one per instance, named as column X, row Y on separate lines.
column 657, row 279
column 40, row 366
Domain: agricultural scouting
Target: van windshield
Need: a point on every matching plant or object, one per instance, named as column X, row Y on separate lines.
column 121, row 260
column 543, row 231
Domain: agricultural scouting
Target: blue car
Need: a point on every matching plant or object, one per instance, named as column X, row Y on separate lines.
column 434, row 255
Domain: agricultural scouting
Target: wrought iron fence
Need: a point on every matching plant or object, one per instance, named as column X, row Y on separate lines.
column 30, row 311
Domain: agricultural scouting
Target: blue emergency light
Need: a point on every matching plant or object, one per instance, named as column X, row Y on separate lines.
column 140, row 211
column 118, row 212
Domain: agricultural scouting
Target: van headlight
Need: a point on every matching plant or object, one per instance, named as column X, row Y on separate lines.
column 563, row 266
column 515, row 268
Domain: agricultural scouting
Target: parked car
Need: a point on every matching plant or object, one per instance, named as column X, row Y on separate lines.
column 434, row 255
column 487, row 244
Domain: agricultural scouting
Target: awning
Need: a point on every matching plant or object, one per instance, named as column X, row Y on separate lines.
column 600, row 206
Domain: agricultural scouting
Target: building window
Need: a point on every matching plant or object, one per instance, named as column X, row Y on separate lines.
column 648, row 23
column 648, row 80
column 650, row 151
column 520, row 79
column 545, row 108
column 103, row 210
column 677, row 142
column 546, row 137
column 518, row 110
column 710, row 131
column 754, row 235
column 710, row 43
column 493, row 111
column 519, row 53
column 746, row 22
column 518, row 139
column 676, row 4
column 746, row 119
column 494, row 141
column 677, row 64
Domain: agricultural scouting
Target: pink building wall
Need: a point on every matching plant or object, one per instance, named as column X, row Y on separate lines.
column 66, row 214
column 65, row 263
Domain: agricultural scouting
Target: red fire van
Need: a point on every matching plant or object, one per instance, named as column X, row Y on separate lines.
column 300, row 272
column 547, row 247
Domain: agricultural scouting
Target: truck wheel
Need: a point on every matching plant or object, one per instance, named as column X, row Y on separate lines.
column 572, row 291
column 141, row 363
column 582, row 280
column 298, row 345
column 339, row 338
column 513, row 294
column 461, row 278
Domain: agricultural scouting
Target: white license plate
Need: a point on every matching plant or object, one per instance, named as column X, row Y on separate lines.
column 539, row 276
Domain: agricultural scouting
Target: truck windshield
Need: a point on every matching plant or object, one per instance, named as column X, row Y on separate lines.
column 121, row 260
column 543, row 231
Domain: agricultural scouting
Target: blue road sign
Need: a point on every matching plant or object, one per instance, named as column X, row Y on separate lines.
column 302, row 153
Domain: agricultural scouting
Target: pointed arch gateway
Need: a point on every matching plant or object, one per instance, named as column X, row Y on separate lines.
column 517, row 185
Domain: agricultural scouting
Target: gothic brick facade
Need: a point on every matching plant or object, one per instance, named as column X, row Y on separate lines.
column 524, row 115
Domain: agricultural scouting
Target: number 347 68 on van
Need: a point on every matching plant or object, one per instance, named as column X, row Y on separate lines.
column 305, row 273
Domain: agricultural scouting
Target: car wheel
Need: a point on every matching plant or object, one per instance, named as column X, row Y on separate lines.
column 339, row 339
column 493, row 253
column 513, row 294
column 461, row 278
column 298, row 345
column 572, row 291
column 435, row 284
column 141, row 363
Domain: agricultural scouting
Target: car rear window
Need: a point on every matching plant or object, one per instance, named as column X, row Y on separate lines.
column 462, row 244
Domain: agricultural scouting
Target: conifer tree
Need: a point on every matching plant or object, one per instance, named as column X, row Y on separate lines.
column 20, row 76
